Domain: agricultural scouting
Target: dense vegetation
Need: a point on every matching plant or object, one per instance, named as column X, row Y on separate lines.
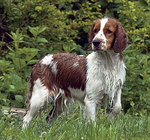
column 30, row 29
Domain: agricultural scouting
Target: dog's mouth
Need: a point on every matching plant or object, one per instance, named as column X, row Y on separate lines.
column 96, row 48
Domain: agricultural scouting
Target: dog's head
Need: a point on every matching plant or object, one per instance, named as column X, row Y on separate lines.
column 106, row 34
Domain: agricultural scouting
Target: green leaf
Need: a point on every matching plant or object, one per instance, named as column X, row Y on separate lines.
column 4, row 65
column 137, row 39
column 30, row 53
column 20, row 63
column 42, row 29
column 36, row 31
column 19, row 98
column 33, row 31
column 32, row 61
column 15, row 81
column 12, row 87
column 10, row 49
column 42, row 40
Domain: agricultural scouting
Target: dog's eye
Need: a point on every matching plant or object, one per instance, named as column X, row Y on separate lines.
column 95, row 30
column 109, row 31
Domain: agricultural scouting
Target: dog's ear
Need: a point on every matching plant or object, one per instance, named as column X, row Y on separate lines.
column 121, row 39
column 91, row 34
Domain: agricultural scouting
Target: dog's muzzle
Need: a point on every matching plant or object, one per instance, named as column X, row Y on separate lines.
column 96, row 45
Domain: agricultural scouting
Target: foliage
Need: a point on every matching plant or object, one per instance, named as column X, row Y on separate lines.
column 137, row 56
column 30, row 29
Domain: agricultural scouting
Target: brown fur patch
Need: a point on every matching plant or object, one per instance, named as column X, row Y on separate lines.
column 67, row 75
column 94, row 29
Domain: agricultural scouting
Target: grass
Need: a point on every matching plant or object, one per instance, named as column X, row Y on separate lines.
column 72, row 126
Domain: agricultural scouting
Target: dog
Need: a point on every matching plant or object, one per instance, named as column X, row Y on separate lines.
column 88, row 79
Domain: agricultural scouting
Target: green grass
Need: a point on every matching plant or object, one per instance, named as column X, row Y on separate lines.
column 72, row 126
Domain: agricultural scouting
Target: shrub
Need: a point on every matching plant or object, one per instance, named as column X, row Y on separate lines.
column 31, row 29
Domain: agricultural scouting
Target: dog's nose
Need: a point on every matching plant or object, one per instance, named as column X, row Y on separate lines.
column 96, row 43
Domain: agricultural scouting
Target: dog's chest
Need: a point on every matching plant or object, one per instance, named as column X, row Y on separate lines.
column 103, row 75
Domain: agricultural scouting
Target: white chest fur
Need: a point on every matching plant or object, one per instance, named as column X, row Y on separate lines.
column 105, row 73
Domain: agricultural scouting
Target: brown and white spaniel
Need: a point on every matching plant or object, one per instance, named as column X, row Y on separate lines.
column 88, row 79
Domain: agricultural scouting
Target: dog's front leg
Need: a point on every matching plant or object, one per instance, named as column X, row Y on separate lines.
column 116, row 109
column 90, row 109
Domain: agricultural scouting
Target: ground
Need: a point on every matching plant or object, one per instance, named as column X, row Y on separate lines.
column 72, row 126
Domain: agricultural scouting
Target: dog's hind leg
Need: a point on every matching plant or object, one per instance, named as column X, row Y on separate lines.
column 37, row 101
column 58, row 107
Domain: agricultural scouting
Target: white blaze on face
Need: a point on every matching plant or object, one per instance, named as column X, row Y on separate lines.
column 100, row 35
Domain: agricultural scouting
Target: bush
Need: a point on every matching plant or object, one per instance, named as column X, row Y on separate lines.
column 31, row 29
column 135, row 17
